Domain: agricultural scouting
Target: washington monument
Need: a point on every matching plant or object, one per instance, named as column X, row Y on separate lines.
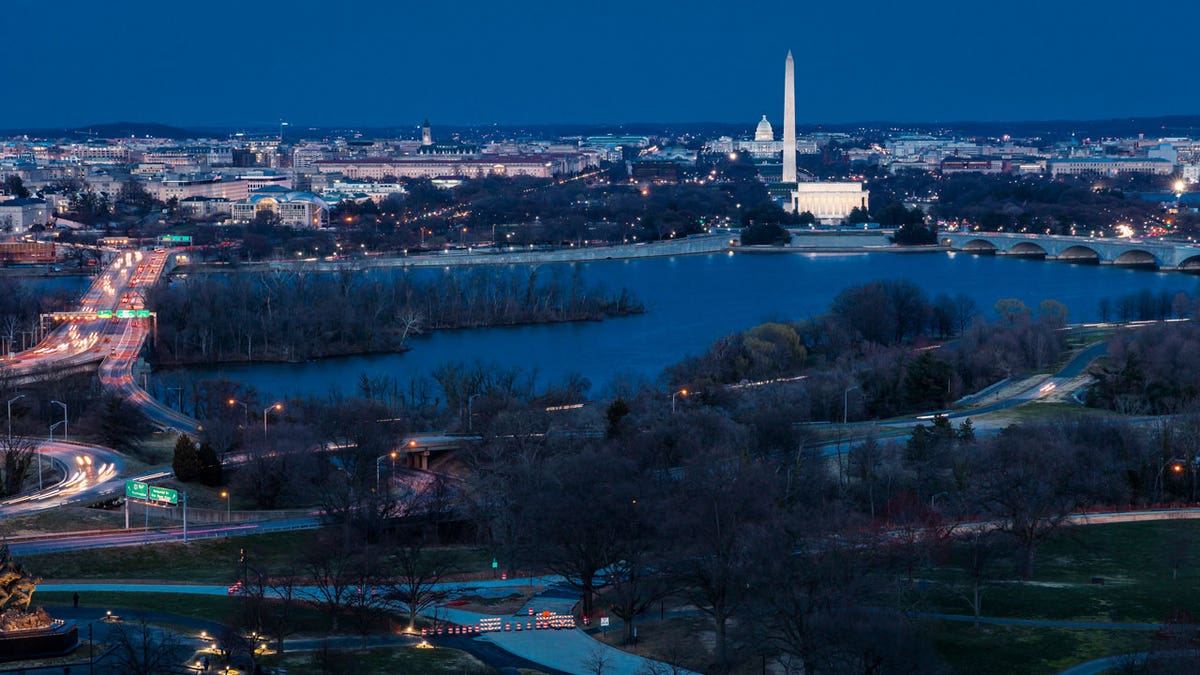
column 789, row 120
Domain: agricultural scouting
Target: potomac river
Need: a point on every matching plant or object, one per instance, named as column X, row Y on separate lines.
column 692, row 300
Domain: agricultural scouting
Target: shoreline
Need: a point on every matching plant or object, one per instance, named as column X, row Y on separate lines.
column 696, row 245
column 402, row 349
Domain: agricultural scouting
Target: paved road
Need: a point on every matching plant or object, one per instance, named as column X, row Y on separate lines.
column 91, row 473
column 137, row 536
column 1072, row 370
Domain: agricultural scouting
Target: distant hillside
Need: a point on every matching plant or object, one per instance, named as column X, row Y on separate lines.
column 109, row 130
column 1049, row 130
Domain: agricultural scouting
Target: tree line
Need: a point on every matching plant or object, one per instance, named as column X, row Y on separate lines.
column 289, row 316
column 886, row 341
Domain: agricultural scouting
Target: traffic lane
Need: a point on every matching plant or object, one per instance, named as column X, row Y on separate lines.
column 139, row 536
column 90, row 471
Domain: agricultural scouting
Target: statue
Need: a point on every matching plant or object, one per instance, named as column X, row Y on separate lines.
column 16, row 593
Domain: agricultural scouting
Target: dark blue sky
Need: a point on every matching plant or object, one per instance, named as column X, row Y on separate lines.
column 395, row 62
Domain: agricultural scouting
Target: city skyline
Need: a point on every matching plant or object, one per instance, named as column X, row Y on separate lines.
column 389, row 66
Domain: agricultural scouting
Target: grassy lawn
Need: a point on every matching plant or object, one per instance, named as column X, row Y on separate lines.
column 308, row 619
column 1044, row 411
column 65, row 519
column 213, row 561
column 1135, row 560
column 1000, row 650
column 211, row 607
column 205, row 561
column 383, row 660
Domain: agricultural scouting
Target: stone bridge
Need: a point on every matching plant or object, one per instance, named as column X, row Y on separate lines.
column 1163, row 255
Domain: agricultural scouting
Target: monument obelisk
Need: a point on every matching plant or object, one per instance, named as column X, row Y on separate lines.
column 789, row 120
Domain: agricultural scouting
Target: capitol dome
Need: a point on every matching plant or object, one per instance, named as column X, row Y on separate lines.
column 764, row 132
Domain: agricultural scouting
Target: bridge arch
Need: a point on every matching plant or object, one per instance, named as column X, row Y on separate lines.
column 1190, row 265
column 1079, row 254
column 979, row 246
column 1028, row 249
column 1137, row 258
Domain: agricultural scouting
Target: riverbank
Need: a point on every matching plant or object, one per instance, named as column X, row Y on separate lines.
column 703, row 244
column 403, row 348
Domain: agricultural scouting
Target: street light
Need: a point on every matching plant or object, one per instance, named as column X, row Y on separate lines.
column 846, row 400
column 245, row 411
column 64, row 419
column 39, row 452
column 225, row 496
column 393, row 454
column 845, row 410
column 681, row 392
column 470, row 413
column 277, row 406
column 17, row 397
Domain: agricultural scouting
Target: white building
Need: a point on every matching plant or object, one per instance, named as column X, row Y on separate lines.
column 17, row 215
column 1109, row 166
column 207, row 186
column 830, row 202
column 295, row 209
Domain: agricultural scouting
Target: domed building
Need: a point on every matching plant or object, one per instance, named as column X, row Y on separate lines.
column 764, row 132
column 764, row 146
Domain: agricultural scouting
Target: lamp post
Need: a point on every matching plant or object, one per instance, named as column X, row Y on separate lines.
column 845, row 411
column 225, row 496
column 11, row 401
column 681, row 392
column 245, row 411
column 277, row 406
column 64, row 419
column 470, row 412
column 846, row 401
column 39, row 454
column 379, row 459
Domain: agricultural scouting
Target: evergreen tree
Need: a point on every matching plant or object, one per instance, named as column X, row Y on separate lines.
column 186, row 463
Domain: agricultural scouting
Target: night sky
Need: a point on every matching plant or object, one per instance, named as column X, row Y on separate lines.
column 395, row 62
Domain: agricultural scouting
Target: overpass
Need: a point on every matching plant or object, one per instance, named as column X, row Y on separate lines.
column 1163, row 255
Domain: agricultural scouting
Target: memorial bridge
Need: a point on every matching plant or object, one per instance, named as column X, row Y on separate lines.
column 1164, row 255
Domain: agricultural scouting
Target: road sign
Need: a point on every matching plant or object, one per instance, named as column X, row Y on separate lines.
column 142, row 313
column 104, row 314
column 495, row 564
column 157, row 494
column 126, row 314
column 136, row 489
column 604, row 622
column 177, row 238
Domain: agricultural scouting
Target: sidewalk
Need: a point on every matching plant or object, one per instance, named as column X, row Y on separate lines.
column 571, row 651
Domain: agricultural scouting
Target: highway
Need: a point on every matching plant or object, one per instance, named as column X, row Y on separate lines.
column 137, row 536
column 115, row 342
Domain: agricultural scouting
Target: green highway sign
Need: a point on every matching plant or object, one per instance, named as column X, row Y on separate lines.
column 142, row 313
column 136, row 489
column 126, row 314
column 104, row 314
column 177, row 238
column 167, row 495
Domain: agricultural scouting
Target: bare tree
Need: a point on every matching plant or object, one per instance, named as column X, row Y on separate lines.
column 1027, row 483
column 330, row 566
column 416, row 573
column 979, row 548
column 280, row 613
column 16, row 458
column 142, row 649
column 722, row 526
column 598, row 661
